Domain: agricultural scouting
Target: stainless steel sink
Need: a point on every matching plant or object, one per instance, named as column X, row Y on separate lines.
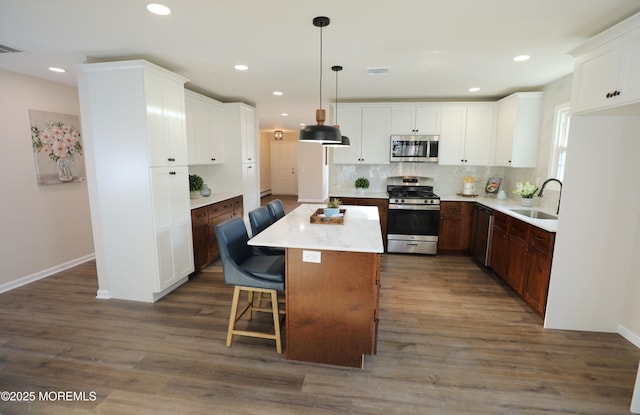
column 534, row 214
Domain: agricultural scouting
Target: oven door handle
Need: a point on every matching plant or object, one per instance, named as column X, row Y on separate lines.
column 394, row 206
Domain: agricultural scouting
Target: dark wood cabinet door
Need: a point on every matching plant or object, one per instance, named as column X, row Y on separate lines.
column 537, row 282
column 517, row 263
column 498, row 257
column 456, row 219
column 199, row 229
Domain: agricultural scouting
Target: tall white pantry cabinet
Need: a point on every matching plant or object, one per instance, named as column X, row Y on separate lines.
column 133, row 120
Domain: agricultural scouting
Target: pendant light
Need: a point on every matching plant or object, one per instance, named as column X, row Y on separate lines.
column 320, row 133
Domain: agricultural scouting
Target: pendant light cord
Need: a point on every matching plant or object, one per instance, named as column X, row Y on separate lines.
column 320, row 68
column 336, row 122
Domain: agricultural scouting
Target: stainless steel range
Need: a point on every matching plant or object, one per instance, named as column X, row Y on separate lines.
column 413, row 219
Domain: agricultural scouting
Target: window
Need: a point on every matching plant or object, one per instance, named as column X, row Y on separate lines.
column 558, row 157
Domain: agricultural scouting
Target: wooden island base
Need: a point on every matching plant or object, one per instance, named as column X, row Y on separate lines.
column 332, row 306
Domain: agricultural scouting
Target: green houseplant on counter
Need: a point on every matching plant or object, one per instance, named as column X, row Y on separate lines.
column 195, row 185
column 333, row 207
column 362, row 183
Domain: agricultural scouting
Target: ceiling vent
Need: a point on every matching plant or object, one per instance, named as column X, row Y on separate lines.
column 378, row 71
column 7, row 49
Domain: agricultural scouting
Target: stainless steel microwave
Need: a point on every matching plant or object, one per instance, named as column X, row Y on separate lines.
column 414, row 148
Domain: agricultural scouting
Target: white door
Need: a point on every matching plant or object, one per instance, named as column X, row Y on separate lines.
column 284, row 164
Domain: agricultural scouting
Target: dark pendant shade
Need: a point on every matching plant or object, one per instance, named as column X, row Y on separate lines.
column 320, row 134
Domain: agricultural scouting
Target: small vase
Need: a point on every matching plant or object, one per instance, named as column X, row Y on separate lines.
column 526, row 201
column 205, row 192
column 328, row 212
column 64, row 170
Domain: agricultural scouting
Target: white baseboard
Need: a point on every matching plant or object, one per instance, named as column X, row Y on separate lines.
column 629, row 335
column 44, row 273
column 103, row 295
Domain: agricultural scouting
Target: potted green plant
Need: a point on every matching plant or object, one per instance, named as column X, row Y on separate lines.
column 195, row 185
column 362, row 183
column 333, row 207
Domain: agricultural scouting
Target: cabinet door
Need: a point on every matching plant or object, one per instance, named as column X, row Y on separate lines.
column 629, row 85
column 517, row 263
column 376, row 122
column 595, row 76
column 428, row 119
column 200, row 232
column 204, row 129
column 172, row 220
column 403, row 119
column 452, row 133
column 536, row 284
column 479, row 134
column 351, row 126
column 499, row 252
column 504, row 134
column 455, row 227
column 250, row 187
column 166, row 129
column 248, row 134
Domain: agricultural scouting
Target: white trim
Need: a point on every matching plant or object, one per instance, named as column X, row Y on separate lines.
column 629, row 335
column 45, row 273
column 103, row 295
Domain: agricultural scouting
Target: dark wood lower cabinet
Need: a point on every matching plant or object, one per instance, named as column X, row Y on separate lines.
column 455, row 227
column 203, row 223
column 521, row 256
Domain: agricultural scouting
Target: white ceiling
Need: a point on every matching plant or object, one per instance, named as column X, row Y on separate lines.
column 434, row 49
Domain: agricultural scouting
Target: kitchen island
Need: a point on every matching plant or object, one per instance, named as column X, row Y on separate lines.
column 332, row 284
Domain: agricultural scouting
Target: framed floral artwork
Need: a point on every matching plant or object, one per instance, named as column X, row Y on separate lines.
column 57, row 147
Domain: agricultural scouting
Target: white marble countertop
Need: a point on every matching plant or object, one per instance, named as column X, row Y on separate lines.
column 214, row 198
column 359, row 233
column 505, row 207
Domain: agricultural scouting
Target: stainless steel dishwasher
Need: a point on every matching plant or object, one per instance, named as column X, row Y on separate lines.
column 481, row 233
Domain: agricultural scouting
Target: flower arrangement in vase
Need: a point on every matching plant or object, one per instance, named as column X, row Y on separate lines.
column 526, row 191
column 362, row 183
column 59, row 142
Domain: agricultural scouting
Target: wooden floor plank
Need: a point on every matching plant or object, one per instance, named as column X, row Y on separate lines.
column 452, row 340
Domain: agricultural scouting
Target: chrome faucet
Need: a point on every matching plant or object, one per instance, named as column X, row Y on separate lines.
column 540, row 193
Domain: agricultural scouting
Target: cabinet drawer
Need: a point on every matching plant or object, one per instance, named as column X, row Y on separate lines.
column 518, row 229
column 199, row 217
column 451, row 208
column 541, row 239
column 500, row 220
column 221, row 208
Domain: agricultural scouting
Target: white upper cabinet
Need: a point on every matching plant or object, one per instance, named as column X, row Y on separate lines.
column 368, row 129
column 248, row 134
column 165, row 120
column 518, row 130
column 467, row 134
column 607, row 68
column 412, row 119
column 205, row 129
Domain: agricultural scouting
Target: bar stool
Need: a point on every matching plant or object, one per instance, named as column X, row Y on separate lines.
column 276, row 209
column 251, row 273
column 259, row 220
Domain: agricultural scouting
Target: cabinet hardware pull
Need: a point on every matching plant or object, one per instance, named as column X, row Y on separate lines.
column 172, row 172
column 171, row 159
column 213, row 159
column 539, row 238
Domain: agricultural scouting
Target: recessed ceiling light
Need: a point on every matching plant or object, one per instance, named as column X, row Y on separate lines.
column 160, row 9
column 521, row 58
column 474, row 89
column 277, row 93
column 241, row 67
column 54, row 69
column 284, row 114
column 302, row 124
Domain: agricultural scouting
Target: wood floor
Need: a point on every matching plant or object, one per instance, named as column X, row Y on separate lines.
column 452, row 341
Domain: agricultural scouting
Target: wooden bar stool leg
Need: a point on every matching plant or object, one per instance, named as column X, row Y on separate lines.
column 250, row 304
column 276, row 320
column 232, row 316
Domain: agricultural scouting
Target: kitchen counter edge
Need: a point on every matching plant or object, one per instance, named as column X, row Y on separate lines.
column 214, row 198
